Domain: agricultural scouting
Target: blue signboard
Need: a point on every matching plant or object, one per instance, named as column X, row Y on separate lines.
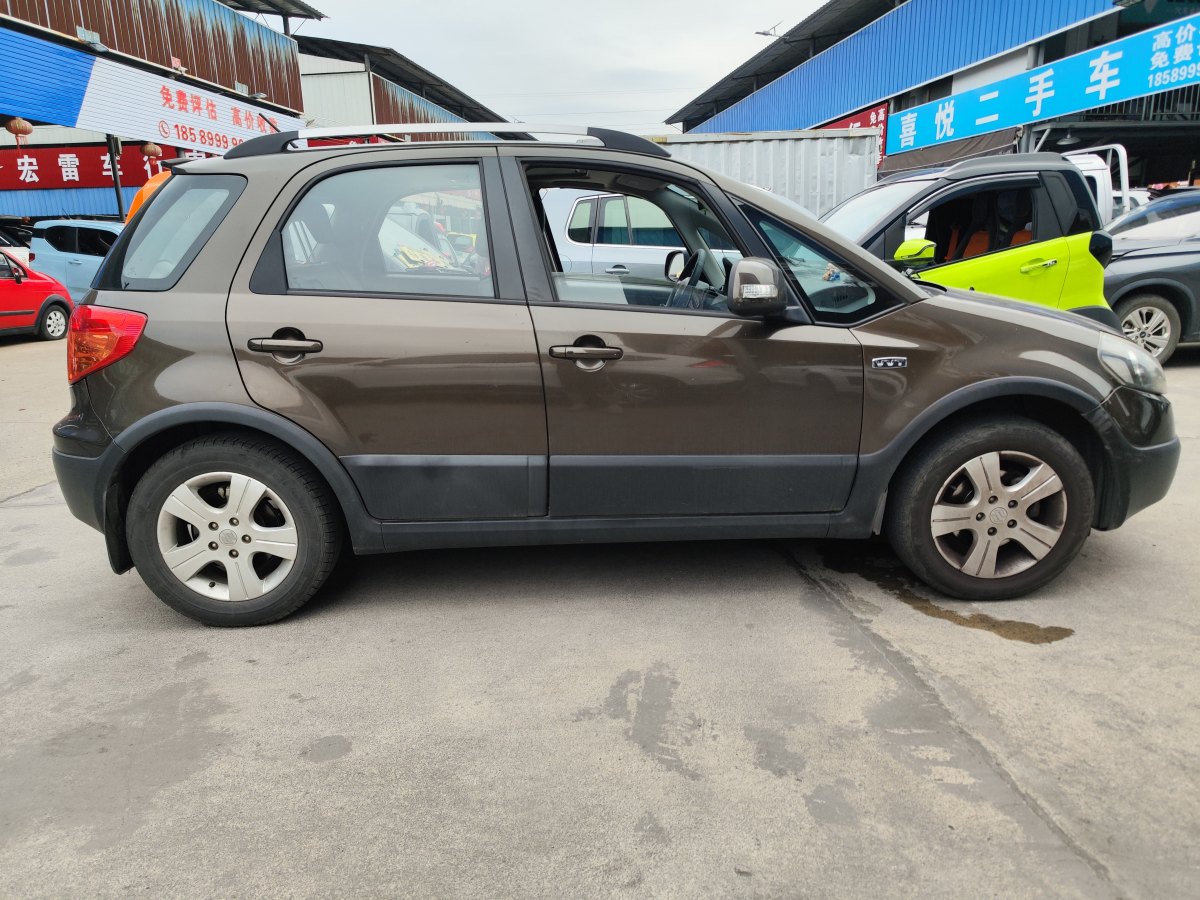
column 1149, row 62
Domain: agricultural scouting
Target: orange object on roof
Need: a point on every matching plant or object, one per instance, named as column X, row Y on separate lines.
column 146, row 191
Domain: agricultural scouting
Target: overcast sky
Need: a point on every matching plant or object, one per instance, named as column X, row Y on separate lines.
column 615, row 63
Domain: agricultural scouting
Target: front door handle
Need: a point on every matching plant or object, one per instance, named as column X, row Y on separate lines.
column 74, row 262
column 586, row 353
column 618, row 269
column 1034, row 266
column 284, row 346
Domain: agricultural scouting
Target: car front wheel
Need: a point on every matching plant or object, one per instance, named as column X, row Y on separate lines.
column 991, row 511
column 1152, row 322
column 233, row 530
column 53, row 326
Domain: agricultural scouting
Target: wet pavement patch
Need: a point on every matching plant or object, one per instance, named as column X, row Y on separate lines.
column 892, row 577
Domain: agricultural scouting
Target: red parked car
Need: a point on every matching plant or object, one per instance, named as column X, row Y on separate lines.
column 32, row 303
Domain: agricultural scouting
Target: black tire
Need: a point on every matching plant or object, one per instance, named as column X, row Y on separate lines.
column 925, row 479
column 1134, row 313
column 53, row 324
column 303, row 496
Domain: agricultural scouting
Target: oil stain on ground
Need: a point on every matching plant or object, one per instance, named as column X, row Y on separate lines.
column 892, row 578
column 651, row 696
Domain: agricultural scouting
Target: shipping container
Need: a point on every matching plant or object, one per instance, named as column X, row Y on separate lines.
column 817, row 169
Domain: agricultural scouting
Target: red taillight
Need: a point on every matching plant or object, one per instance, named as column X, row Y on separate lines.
column 98, row 337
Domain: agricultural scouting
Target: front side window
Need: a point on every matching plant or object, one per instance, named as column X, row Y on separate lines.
column 969, row 225
column 835, row 294
column 170, row 233
column 385, row 231
column 6, row 270
column 678, row 255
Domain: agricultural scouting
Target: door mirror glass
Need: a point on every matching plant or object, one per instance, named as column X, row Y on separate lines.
column 756, row 288
column 673, row 266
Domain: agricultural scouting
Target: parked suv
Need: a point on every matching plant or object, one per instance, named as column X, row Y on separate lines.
column 1024, row 226
column 256, row 380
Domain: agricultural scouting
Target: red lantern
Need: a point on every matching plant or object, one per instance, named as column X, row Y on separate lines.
column 151, row 150
column 19, row 129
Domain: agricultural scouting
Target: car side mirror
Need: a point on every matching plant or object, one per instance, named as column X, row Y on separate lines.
column 756, row 288
column 915, row 251
column 18, row 275
column 673, row 265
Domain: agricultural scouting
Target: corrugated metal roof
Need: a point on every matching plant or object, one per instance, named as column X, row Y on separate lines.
column 916, row 43
column 832, row 22
column 292, row 8
column 64, row 202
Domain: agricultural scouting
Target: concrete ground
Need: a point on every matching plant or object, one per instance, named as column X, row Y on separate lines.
column 729, row 719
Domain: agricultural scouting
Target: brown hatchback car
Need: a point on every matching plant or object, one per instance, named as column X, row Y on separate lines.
column 283, row 353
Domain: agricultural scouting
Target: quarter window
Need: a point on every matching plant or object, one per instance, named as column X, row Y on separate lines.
column 580, row 228
column 384, row 231
column 61, row 238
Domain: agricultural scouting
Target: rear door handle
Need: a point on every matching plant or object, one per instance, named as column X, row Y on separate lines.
column 618, row 269
column 285, row 346
column 586, row 353
column 1034, row 266
column 75, row 262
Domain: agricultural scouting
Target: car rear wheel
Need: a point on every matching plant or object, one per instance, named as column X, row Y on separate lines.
column 53, row 326
column 991, row 511
column 1152, row 322
column 233, row 530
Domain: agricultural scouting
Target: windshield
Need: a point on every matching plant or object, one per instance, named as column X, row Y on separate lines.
column 1173, row 218
column 855, row 217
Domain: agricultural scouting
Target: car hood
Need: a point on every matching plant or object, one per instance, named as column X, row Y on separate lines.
column 1021, row 314
column 1123, row 247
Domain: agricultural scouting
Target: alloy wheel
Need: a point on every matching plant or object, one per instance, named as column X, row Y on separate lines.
column 999, row 514
column 227, row 536
column 1149, row 328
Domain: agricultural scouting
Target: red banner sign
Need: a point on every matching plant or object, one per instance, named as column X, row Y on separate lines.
column 875, row 117
column 42, row 168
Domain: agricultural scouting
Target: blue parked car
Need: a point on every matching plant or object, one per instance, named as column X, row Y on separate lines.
column 71, row 250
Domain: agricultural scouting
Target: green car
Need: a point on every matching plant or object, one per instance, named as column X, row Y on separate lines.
column 1023, row 226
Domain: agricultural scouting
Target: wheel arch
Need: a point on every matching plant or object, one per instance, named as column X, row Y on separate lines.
column 1177, row 294
column 1056, row 405
column 54, row 300
column 141, row 444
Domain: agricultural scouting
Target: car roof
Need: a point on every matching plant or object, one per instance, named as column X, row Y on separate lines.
column 77, row 223
column 988, row 165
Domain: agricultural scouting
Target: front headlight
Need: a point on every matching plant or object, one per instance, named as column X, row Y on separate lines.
column 1131, row 365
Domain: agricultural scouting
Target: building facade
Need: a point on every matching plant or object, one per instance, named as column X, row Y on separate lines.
column 945, row 80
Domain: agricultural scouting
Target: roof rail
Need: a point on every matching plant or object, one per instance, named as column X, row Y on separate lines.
column 277, row 143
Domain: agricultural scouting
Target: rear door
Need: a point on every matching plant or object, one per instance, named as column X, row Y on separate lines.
column 633, row 237
column 418, row 371
column 92, row 245
column 18, row 303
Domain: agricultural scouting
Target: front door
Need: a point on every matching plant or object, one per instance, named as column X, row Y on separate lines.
column 19, row 302
column 416, row 367
column 661, row 403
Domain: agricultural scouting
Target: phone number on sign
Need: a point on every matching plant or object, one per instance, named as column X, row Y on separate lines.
column 207, row 138
column 1171, row 76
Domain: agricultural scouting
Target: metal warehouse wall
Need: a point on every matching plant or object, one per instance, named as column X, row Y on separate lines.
column 921, row 41
column 63, row 202
column 216, row 44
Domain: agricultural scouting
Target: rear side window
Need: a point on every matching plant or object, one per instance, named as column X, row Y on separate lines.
column 170, row 232
column 650, row 226
column 614, row 226
column 95, row 241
